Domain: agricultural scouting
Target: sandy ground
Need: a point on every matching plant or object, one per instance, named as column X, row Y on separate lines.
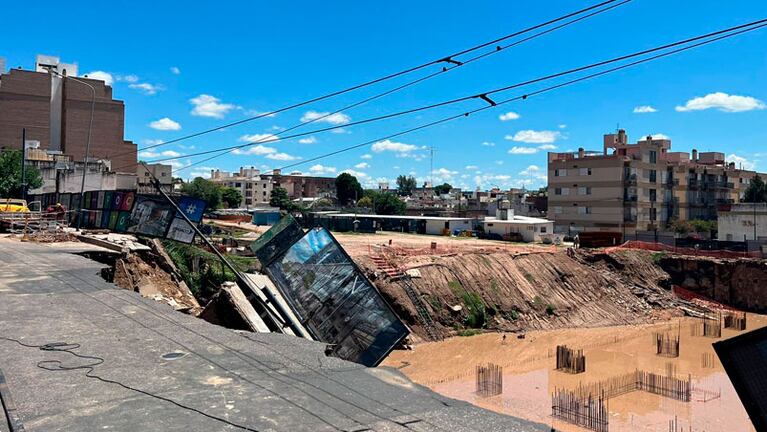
column 530, row 378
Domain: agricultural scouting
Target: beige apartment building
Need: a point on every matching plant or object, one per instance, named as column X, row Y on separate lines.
column 256, row 188
column 638, row 187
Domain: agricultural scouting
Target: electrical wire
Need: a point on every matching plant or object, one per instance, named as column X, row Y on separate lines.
column 523, row 97
column 449, row 59
column 748, row 26
column 419, row 80
column 90, row 367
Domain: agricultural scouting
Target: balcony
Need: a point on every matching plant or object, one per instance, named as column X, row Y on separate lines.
column 630, row 180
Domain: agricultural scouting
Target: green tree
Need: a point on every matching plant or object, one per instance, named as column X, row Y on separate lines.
column 10, row 175
column 348, row 189
column 205, row 190
column 366, row 202
column 406, row 185
column 279, row 198
column 442, row 189
column 232, row 197
column 756, row 191
column 386, row 203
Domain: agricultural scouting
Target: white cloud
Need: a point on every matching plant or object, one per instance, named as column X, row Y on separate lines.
column 258, row 150
column 533, row 171
column 722, row 102
column 562, row 126
column 387, row 145
column 281, row 157
column 165, row 124
column 175, row 70
column 535, row 137
column 154, row 154
column 102, row 76
column 146, row 88
column 362, row 165
column 210, row 106
column 366, row 156
column 340, row 131
column 444, row 174
column 308, row 140
column 258, row 138
column 547, row 147
column 741, row 162
column 471, row 167
column 644, row 109
column 359, row 174
column 523, row 150
column 335, row 119
column 499, row 162
column 508, row 116
column 660, row 136
column 256, row 113
column 151, row 142
column 321, row 169
column 488, row 144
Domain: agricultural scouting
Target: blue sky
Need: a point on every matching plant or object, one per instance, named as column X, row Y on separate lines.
column 200, row 64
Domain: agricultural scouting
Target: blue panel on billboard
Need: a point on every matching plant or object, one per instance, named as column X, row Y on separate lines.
column 192, row 207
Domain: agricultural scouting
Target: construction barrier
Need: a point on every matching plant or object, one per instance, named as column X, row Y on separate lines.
column 661, row 247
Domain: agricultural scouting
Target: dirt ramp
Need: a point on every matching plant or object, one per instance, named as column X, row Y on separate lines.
column 507, row 291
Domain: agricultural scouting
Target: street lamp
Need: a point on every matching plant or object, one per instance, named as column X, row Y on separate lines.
column 87, row 142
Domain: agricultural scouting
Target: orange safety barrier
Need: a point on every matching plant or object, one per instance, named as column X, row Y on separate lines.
column 660, row 247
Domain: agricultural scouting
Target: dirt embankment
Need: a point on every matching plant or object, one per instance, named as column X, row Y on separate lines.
column 516, row 291
column 741, row 283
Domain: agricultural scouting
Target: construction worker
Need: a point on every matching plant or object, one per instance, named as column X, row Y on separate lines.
column 57, row 210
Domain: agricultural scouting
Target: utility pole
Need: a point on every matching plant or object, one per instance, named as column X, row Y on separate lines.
column 24, row 163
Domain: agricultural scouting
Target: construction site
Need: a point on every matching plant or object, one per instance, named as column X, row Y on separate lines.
column 548, row 334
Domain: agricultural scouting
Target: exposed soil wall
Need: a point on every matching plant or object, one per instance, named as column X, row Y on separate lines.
column 741, row 283
column 531, row 290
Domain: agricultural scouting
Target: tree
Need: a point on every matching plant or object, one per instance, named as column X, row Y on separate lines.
column 756, row 191
column 387, row 204
column 205, row 190
column 366, row 202
column 279, row 198
column 232, row 197
column 10, row 177
column 348, row 189
column 406, row 185
column 442, row 189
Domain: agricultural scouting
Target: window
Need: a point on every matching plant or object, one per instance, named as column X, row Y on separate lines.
column 653, row 176
column 584, row 210
column 162, row 174
column 653, row 213
column 489, row 224
column 557, row 210
column 238, row 185
column 653, row 195
column 565, row 191
column 543, row 230
column 585, row 171
column 653, row 156
column 560, row 172
column 584, row 191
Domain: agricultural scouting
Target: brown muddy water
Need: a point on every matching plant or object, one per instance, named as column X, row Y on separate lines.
column 529, row 375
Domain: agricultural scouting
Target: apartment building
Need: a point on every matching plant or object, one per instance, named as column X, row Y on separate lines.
column 638, row 187
column 144, row 176
column 256, row 188
column 56, row 111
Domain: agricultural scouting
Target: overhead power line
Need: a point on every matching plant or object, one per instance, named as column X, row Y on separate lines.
column 449, row 60
column 749, row 26
column 743, row 29
column 422, row 79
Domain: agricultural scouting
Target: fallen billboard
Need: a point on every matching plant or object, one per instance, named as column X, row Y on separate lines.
column 329, row 294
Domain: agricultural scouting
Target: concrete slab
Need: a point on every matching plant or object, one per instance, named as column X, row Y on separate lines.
column 264, row 382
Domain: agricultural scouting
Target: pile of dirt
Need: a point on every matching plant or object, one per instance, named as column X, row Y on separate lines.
column 518, row 291
column 145, row 276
